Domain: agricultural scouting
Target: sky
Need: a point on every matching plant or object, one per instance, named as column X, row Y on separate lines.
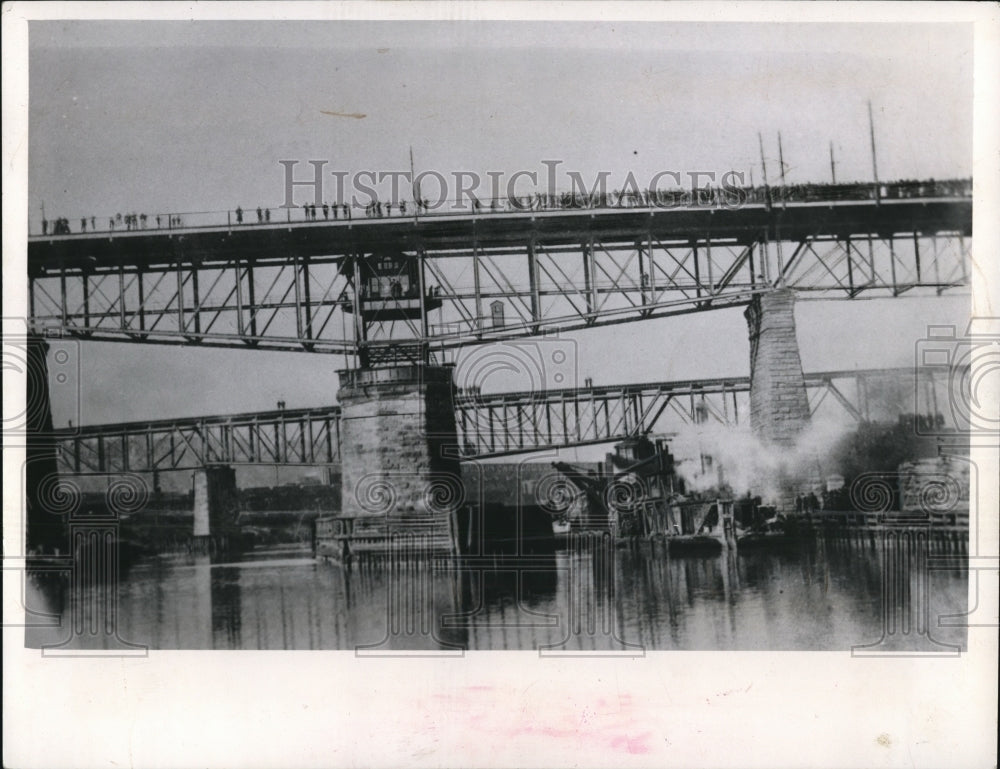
column 194, row 116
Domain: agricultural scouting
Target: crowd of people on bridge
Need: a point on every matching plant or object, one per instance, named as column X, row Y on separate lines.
column 59, row 226
column 899, row 190
column 127, row 222
column 263, row 215
column 707, row 196
column 312, row 212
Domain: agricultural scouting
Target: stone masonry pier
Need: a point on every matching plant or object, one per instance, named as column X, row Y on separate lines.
column 779, row 406
column 400, row 465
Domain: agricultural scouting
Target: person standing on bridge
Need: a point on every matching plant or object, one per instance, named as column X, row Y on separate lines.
column 45, row 226
column 260, row 215
column 326, row 210
column 267, row 214
column 239, row 215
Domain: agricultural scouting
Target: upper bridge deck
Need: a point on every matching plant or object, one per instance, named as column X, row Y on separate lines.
column 549, row 263
column 790, row 214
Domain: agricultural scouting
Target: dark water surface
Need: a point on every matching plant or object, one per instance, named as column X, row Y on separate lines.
column 822, row 594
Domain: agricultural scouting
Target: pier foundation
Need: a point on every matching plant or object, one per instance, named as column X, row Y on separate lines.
column 215, row 505
column 400, row 468
column 779, row 406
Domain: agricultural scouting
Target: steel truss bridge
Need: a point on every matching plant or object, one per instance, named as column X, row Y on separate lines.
column 484, row 278
column 488, row 425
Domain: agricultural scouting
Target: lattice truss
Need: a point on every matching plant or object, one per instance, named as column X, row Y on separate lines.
column 273, row 303
column 514, row 423
column 526, row 275
column 494, row 425
column 880, row 265
column 300, row 437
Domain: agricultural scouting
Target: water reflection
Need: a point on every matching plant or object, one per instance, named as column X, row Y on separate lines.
column 589, row 597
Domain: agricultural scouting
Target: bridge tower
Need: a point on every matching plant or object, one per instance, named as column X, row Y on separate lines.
column 399, row 460
column 779, row 406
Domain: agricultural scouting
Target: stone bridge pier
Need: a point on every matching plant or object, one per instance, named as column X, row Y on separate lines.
column 399, row 455
column 215, row 506
column 779, row 406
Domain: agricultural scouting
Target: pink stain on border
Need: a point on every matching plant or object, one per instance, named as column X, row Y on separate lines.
column 634, row 745
column 614, row 730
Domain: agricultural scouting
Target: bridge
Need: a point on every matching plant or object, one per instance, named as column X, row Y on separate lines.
column 483, row 278
column 398, row 296
column 489, row 426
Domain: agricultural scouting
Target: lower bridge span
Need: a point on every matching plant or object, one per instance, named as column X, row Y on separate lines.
column 488, row 425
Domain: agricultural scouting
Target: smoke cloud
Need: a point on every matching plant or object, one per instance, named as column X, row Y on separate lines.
column 749, row 465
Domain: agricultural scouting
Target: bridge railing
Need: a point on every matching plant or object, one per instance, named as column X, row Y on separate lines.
column 709, row 196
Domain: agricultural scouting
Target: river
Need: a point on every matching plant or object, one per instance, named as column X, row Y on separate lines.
column 816, row 594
